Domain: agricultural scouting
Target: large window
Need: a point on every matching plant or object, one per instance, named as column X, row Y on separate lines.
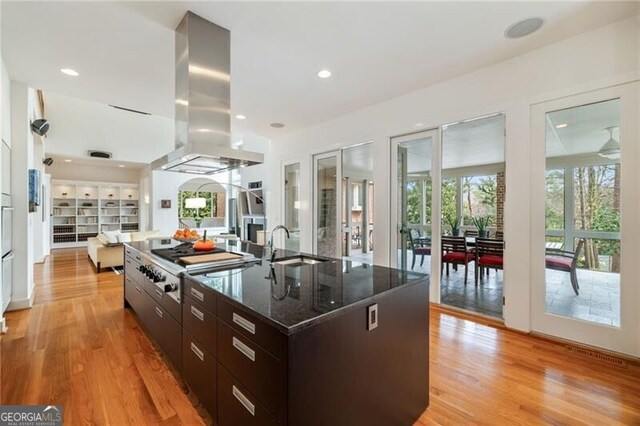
column 211, row 209
column 478, row 198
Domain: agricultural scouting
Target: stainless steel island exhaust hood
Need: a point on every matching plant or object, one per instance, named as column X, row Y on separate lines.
column 203, row 107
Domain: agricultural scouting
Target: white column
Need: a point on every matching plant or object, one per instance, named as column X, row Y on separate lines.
column 21, row 161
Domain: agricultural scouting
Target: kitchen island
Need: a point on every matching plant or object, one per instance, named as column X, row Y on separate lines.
column 291, row 342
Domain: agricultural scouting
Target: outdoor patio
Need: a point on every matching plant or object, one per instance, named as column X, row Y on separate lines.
column 599, row 299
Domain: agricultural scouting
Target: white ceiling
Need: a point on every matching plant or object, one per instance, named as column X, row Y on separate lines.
column 585, row 131
column 376, row 51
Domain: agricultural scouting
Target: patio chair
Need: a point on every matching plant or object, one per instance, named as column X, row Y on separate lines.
column 489, row 255
column 565, row 261
column 471, row 233
column 418, row 248
column 454, row 251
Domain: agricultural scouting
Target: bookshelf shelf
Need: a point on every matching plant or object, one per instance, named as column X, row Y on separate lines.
column 83, row 209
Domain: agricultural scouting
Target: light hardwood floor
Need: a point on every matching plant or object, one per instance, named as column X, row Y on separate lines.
column 78, row 347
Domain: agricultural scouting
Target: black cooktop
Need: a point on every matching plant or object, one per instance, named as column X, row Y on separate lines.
column 186, row 249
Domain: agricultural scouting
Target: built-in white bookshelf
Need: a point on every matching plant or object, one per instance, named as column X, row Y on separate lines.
column 80, row 210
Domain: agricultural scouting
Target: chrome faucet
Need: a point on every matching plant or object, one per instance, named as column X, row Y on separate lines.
column 273, row 249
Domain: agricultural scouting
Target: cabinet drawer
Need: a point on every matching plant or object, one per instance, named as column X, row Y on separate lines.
column 206, row 297
column 256, row 369
column 256, row 330
column 199, row 371
column 134, row 293
column 200, row 323
column 131, row 269
column 167, row 333
column 237, row 406
column 167, row 302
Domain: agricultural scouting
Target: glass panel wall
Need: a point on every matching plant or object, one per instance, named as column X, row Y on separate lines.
column 583, row 212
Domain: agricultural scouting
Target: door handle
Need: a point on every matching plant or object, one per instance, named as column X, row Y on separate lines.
column 197, row 351
column 244, row 323
column 244, row 400
column 244, row 349
column 197, row 294
column 8, row 257
column 10, row 209
column 196, row 313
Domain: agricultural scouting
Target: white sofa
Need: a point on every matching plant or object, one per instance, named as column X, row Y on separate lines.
column 106, row 255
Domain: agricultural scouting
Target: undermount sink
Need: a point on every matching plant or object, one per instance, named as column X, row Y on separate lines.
column 299, row 260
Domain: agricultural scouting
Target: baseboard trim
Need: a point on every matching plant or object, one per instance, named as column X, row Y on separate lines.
column 471, row 316
column 617, row 359
column 3, row 326
column 20, row 304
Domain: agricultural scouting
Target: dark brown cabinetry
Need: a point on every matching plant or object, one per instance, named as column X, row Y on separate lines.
column 163, row 326
column 199, row 371
column 246, row 369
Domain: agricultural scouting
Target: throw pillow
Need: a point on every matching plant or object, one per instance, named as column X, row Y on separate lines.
column 112, row 236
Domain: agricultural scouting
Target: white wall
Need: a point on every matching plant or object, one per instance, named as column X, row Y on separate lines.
column 92, row 172
column 599, row 58
column 22, row 159
column 78, row 126
column 164, row 185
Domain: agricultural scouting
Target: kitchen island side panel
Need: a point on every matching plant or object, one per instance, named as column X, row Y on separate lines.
column 341, row 373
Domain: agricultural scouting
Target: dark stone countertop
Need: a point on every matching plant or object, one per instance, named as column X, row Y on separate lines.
column 294, row 298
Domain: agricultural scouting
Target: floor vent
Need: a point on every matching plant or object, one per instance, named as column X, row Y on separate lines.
column 609, row 359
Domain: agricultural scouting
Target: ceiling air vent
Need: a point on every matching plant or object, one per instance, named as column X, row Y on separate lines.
column 99, row 154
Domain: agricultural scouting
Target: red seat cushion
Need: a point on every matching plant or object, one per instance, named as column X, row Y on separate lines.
column 423, row 250
column 457, row 256
column 491, row 260
column 559, row 262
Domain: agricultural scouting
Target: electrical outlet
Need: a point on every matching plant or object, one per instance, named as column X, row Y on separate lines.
column 372, row 317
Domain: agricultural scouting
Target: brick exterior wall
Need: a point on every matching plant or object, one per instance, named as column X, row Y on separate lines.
column 500, row 192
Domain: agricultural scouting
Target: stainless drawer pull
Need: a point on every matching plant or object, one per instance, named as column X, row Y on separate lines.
column 244, row 400
column 159, row 293
column 244, row 349
column 244, row 323
column 197, row 294
column 138, row 259
column 196, row 313
column 138, row 289
column 128, row 261
column 159, row 312
column 197, row 351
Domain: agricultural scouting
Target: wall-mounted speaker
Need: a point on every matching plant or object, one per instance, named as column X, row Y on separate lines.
column 40, row 127
column 99, row 154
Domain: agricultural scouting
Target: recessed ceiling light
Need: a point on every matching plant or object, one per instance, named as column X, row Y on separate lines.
column 204, row 130
column 67, row 161
column 523, row 28
column 69, row 71
column 277, row 125
column 324, row 74
column 120, row 165
column 419, row 124
column 240, row 117
column 561, row 126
